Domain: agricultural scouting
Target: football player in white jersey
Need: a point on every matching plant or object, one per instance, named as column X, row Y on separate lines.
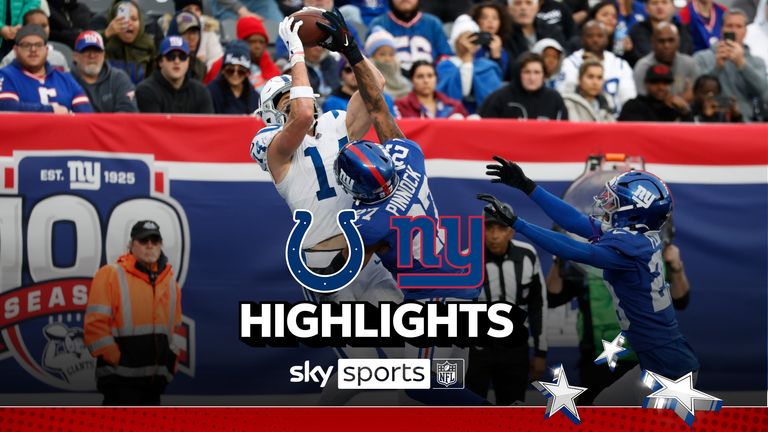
column 298, row 148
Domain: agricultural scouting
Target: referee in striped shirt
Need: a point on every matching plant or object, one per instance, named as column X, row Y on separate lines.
column 512, row 273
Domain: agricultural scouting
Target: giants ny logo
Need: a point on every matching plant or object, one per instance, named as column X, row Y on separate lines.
column 442, row 262
column 643, row 197
column 85, row 175
column 425, row 259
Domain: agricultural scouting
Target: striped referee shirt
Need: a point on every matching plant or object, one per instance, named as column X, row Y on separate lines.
column 516, row 277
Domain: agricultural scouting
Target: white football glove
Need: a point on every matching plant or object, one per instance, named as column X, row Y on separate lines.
column 289, row 33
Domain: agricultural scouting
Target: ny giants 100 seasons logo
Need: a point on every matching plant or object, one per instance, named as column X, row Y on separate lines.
column 62, row 216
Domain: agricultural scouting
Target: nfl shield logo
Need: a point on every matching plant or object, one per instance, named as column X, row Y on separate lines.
column 446, row 373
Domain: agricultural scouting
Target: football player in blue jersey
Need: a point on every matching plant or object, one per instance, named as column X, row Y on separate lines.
column 389, row 180
column 624, row 242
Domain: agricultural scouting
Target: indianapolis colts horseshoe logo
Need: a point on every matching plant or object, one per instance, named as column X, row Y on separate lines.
column 324, row 283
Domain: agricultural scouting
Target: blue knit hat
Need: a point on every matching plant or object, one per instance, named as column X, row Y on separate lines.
column 377, row 39
column 237, row 53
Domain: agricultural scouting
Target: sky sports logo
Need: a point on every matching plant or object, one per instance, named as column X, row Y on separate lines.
column 385, row 374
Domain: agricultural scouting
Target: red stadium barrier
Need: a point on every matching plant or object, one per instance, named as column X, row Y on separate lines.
column 178, row 138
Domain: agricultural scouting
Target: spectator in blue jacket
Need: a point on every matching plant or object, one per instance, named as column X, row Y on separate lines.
column 231, row 91
column 29, row 83
column 418, row 35
column 463, row 76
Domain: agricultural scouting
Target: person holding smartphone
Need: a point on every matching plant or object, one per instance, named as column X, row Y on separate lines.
column 463, row 76
column 741, row 74
column 126, row 45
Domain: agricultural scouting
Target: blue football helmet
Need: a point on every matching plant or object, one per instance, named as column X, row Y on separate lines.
column 635, row 199
column 366, row 171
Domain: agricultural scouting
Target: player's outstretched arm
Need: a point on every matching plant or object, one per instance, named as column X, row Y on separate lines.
column 358, row 119
column 383, row 122
column 301, row 109
column 559, row 244
column 565, row 215
column 341, row 40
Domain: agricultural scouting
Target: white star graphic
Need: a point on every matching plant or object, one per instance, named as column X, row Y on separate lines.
column 612, row 351
column 560, row 395
column 678, row 395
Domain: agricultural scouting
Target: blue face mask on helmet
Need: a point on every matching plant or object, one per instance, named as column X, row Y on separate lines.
column 366, row 171
column 635, row 199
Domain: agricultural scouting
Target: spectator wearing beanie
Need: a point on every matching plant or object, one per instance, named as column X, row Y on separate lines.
column 552, row 53
column 422, row 31
column 380, row 46
column 30, row 84
column 252, row 31
column 186, row 25
column 210, row 48
column 231, row 92
column 465, row 77
column 55, row 58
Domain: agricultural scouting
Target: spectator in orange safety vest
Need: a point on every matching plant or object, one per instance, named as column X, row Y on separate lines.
column 134, row 305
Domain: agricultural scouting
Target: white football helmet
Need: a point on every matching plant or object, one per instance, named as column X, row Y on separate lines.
column 271, row 93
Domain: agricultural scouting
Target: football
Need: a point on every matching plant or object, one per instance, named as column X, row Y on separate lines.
column 309, row 33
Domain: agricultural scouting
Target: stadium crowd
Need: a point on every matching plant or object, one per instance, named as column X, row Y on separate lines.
column 578, row 60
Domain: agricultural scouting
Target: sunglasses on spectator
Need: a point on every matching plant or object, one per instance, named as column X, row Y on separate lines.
column 235, row 70
column 29, row 45
column 153, row 239
column 172, row 56
column 347, row 69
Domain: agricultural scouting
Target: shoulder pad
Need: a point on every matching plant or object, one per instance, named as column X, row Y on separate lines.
column 403, row 142
column 629, row 243
column 260, row 144
column 333, row 121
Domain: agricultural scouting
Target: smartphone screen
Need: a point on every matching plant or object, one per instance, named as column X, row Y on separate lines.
column 731, row 36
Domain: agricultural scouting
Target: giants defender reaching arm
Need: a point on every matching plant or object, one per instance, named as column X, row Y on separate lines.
column 625, row 243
